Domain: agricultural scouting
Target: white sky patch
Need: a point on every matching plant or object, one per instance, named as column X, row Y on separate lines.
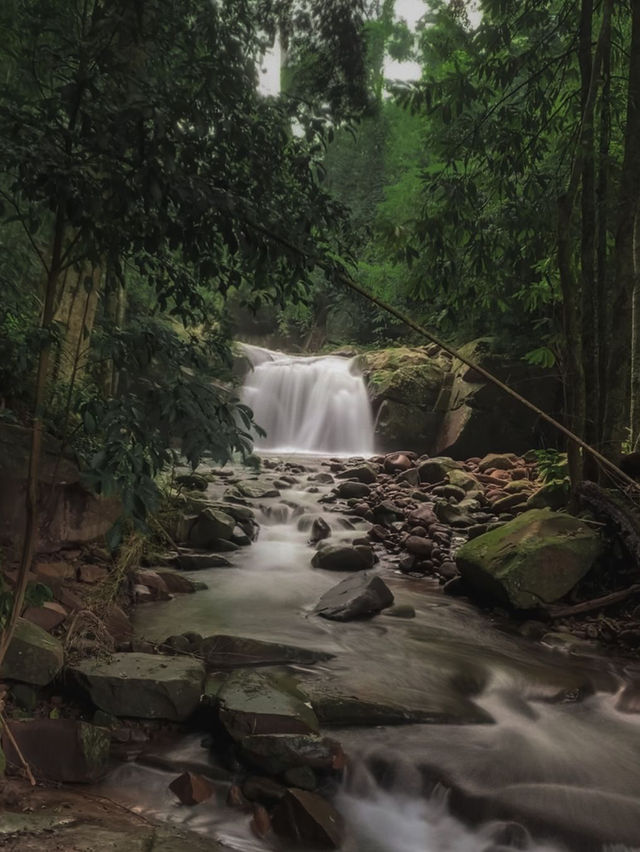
column 410, row 10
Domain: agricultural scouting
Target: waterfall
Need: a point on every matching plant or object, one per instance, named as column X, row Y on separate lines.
column 315, row 404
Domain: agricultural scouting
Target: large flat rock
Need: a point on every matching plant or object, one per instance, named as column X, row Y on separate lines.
column 253, row 703
column 231, row 652
column 144, row 686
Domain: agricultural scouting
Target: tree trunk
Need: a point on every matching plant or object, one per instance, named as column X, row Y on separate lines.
column 616, row 407
column 634, row 391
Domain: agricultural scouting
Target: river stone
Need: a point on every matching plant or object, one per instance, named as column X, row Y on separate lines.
column 34, row 656
column 552, row 495
column 320, row 530
column 193, row 481
column 200, row 561
column 362, row 473
column 230, row 652
column 533, row 560
column 342, row 557
column 144, row 686
column 257, row 490
column 211, row 526
column 496, row 461
column 352, row 488
column 275, row 753
column 239, row 513
column 436, row 469
column 66, row 750
column 308, row 817
column 251, row 703
column 360, row 596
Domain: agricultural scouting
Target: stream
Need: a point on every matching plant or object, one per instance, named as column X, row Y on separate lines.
column 531, row 734
column 529, row 747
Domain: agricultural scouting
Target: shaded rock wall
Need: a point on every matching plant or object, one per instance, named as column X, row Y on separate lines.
column 69, row 512
column 429, row 402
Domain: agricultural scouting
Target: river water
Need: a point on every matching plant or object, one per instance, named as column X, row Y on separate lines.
column 521, row 733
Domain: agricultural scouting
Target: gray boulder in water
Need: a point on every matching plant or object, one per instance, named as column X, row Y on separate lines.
column 361, row 596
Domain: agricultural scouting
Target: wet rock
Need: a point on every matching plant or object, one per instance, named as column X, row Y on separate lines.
column 352, row 488
column 33, row 656
column 192, row 789
column 223, row 651
column 256, row 490
column 65, row 750
column 192, row 481
column 210, row 526
column 176, row 583
column 260, row 822
column 552, row 495
column 411, row 476
column 387, row 513
column 140, row 685
column 342, row 557
column 155, row 583
column 307, row 817
column 361, row 596
column 535, row 559
column 453, row 515
column 257, row 788
column 401, row 611
column 48, row 616
column 251, row 703
column 275, row 753
column 423, row 515
column 335, row 709
column 302, row 777
column 117, row 623
column 509, row 503
column 418, row 546
column 322, row 478
column 361, row 473
column 320, row 530
column 200, row 561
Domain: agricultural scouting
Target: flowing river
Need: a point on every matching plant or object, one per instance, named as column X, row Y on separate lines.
column 529, row 747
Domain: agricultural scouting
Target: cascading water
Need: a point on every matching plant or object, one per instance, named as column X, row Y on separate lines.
column 313, row 404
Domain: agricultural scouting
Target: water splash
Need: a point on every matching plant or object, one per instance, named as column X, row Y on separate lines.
column 313, row 404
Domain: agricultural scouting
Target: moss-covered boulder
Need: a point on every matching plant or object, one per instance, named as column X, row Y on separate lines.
column 531, row 561
column 404, row 385
column 34, row 656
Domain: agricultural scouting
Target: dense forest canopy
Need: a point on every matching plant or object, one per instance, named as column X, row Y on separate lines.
column 148, row 189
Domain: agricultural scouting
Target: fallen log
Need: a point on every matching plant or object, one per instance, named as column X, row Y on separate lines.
column 594, row 603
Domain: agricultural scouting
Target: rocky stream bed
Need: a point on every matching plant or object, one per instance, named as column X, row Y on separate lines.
column 309, row 669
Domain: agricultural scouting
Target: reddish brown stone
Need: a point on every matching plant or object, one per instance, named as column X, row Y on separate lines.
column 55, row 571
column 69, row 600
column 153, row 581
column 191, row 789
column 48, row 616
column 176, row 583
column 236, row 798
column 418, row 546
column 261, row 821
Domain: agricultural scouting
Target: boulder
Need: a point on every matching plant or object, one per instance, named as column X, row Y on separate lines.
column 256, row 490
column 496, row 461
column 192, row 789
column 211, row 526
column 352, row 488
column 361, row 473
column 343, row 557
column 320, row 529
column 530, row 561
column 192, row 481
column 33, row 655
column 65, row 750
column 436, row 470
column 360, row 596
column 230, row 652
column 200, row 561
column 145, row 686
column 308, row 818
column 176, row 583
column 251, row 703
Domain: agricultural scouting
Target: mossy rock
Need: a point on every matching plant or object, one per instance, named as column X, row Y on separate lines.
column 530, row 561
column 34, row 656
column 417, row 385
column 392, row 358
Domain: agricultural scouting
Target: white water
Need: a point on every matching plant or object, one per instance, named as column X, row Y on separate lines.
column 313, row 404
